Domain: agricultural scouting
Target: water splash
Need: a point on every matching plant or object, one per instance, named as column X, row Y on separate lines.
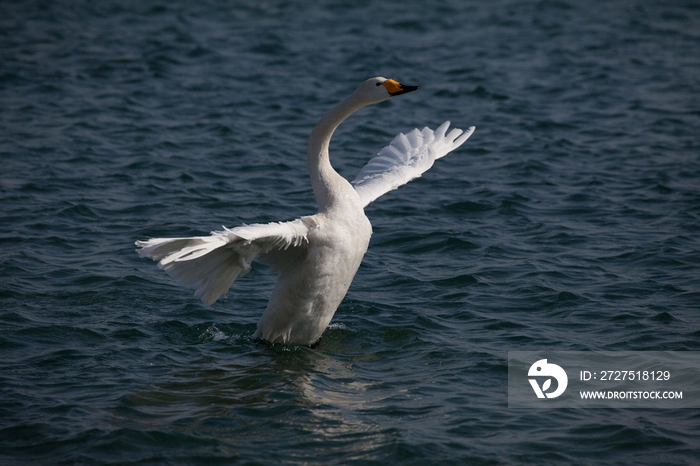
column 212, row 333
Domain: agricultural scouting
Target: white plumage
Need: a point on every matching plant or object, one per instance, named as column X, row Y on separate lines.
column 406, row 158
column 315, row 257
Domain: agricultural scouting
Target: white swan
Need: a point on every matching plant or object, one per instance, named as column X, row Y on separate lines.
column 315, row 257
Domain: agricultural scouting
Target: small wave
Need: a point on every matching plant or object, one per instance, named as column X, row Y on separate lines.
column 338, row 326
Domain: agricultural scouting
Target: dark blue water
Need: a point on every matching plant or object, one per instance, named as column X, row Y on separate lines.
column 569, row 221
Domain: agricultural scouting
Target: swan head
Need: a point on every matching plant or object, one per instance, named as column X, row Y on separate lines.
column 379, row 89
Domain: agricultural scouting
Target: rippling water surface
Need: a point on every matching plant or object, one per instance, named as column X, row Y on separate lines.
column 569, row 221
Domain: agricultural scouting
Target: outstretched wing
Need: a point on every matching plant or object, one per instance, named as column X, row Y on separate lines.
column 210, row 264
column 407, row 157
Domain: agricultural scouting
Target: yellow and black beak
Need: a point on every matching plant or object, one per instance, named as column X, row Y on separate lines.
column 396, row 88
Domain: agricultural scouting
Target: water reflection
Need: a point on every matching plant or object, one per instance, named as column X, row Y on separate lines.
column 244, row 394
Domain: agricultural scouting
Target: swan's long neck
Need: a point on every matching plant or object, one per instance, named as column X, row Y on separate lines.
column 329, row 187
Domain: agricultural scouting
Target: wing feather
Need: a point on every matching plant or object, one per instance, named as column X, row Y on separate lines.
column 407, row 157
column 210, row 264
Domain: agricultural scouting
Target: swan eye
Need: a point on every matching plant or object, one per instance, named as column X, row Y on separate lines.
column 379, row 84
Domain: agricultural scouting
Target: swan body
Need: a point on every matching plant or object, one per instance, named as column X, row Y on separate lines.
column 317, row 256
